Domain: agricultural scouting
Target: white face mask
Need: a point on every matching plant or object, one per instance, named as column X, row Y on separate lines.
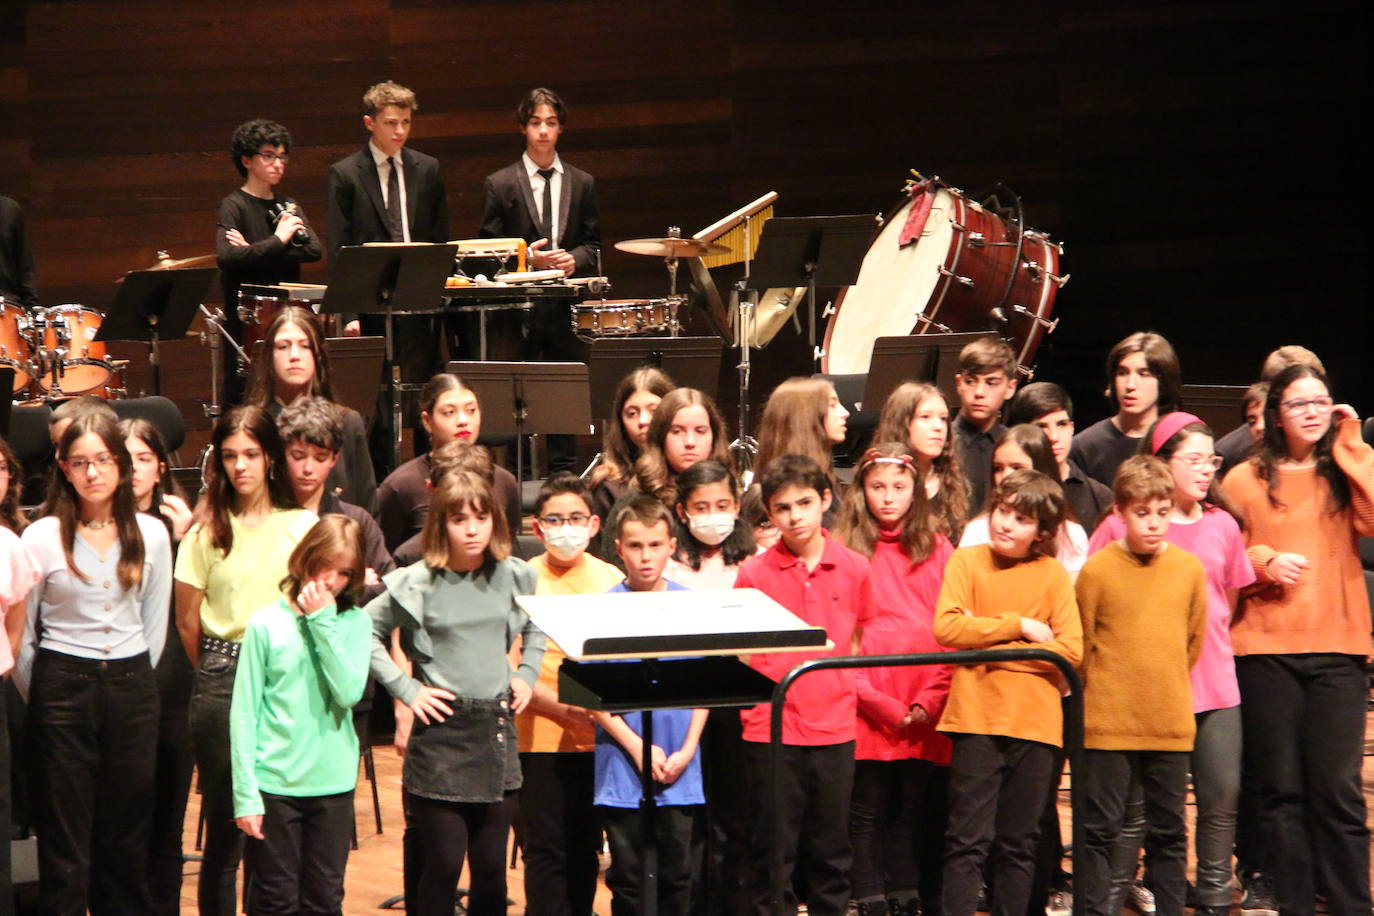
column 567, row 541
column 711, row 528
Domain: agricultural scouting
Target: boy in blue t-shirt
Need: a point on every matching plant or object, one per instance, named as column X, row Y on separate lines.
column 644, row 540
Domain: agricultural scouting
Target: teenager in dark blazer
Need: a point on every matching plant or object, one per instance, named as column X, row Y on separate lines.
column 513, row 206
column 16, row 258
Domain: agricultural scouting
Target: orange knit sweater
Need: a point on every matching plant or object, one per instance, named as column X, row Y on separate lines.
column 1328, row 610
column 981, row 605
column 1143, row 629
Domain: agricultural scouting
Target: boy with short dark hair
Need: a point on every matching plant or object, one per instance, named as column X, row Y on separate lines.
column 986, row 378
column 1143, row 604
column 643, row 530
column 1243, row 441
column 826, row 585
column 1048, row 406
column 558, row 823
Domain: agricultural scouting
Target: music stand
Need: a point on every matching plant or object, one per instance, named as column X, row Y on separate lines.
column 673, row 650
column 1219, row 406
column 155, row 305
column 691, row 362
column 811, row 251
column 914, row 357
column 529, row 399
column 391, row 279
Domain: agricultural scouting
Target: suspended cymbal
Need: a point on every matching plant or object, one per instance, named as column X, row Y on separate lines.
column 670, row 247
column 200, row 260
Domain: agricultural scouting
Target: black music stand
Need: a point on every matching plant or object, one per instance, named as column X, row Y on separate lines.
column 529, row 399
column 155, row 305
column 914, row 357
column 1219, row 406
column 811, row 251
column 691, row 362
column 390, row 279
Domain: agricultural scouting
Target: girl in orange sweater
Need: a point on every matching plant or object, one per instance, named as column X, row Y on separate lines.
column 1302, row 638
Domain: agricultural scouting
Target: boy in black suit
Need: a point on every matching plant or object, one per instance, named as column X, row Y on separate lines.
column 552, row 205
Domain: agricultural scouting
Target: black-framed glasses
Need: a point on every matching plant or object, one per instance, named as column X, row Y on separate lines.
column 270, row 158
column 577, row 520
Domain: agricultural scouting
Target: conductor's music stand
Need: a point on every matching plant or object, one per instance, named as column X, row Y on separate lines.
column 915, row 357
column 155, row 305
column 390, row 279
column 673, row 650
column 529, row 399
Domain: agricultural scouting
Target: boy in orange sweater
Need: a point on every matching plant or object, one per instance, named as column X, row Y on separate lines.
column 1143, row 604
column 1004, row 718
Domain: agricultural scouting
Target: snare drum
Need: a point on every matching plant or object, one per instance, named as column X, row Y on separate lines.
column 15, row 352
column 69, row 330
column 626, row 317
column 970, row 270
column 256, row 313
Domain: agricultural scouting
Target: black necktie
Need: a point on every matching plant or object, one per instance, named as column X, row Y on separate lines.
column 393, row 203
column 547, row 175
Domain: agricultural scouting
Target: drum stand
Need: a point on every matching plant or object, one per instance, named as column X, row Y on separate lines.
column 215, row 322
column 745, row 447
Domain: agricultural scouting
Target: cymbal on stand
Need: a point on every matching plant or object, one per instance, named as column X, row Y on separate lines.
column 670, row 247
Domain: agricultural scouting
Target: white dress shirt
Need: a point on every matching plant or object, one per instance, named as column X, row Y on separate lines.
column 537, row 186
column 384, row 176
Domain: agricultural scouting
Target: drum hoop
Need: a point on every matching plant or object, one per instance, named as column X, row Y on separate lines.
column 937, row 297
column 73, row 308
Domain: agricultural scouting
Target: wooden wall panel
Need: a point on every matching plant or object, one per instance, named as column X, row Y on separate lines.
column 1198, row 158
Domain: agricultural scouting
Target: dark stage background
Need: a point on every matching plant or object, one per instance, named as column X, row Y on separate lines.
column 1198, row 159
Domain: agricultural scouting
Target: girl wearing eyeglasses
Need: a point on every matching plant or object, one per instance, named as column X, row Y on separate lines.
column 230, row 564
column 97, row 625
column 1302, row 638
column 1200, row 524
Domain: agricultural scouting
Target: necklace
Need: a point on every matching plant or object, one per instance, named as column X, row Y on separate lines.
column 96, row 526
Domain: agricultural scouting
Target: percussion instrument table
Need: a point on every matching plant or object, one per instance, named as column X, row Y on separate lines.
column 483, row 299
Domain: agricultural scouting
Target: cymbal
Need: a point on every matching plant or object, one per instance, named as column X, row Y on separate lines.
column 671, row 247
column 200, row 260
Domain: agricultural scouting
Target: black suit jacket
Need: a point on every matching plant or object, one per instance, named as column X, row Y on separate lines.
column 509, row 211
column 356, row 211
column 16, row 258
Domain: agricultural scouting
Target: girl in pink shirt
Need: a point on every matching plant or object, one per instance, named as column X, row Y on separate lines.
column 1203, row 528
column 898, row 813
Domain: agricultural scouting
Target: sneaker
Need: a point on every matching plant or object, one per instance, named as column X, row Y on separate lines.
column 1140, row 899
column 1259, row 896
column 1060, row 904
column 1217, row 910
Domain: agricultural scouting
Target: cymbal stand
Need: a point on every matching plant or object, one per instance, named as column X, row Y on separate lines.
column 745, row 447
column 215, row 322
column 674, row 232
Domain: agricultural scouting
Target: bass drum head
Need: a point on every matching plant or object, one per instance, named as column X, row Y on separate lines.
column 893, row 288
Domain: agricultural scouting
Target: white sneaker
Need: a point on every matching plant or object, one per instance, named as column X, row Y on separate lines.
column 1139, row 898
column 1060, row 904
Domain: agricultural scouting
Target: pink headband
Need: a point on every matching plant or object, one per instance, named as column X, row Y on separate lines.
column 1168, row 426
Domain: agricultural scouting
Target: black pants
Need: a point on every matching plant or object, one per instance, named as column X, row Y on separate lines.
column 1106, row 782
column 1304, row 722
column 172, row 778
column 678, row 828
column 6, row 816
column 451, row 832
column 558, row 826
column 816, row 786
column 725, row 878
column 223, row 847
column 897, row 826
column 298, row 865
column 94, row 725
column 1048, row 873
column 997, row 789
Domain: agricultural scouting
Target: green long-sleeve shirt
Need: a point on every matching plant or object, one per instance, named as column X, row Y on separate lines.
column 291, row 722
column 456, row 628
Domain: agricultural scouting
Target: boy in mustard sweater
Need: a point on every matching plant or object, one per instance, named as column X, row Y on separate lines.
column 1004, row 718
column 1143, row 604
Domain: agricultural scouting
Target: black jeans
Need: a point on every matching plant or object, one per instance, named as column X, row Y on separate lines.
column 725, row 878
column 298, row 865
column 223, row 847
column 450, row 832
column 997, row 789
column 6, row 817
column 559, row 830
column 678, row 828
column 817, row 784
column 1304, row 722
column 1106, row 782
column 897, row 827
column 94, row 725
column 172, row 779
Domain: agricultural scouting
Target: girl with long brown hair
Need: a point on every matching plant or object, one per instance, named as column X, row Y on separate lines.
column 632, row 411
column 901, row 774
column 686, row 428
column 917, row 415
column 293, row 364
column 803, row 416
column 229, row 565
column 11, row 485
column 97, row 626
column 458, row 619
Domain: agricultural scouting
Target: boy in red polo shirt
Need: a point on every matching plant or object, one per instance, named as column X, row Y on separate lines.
column 825, row 585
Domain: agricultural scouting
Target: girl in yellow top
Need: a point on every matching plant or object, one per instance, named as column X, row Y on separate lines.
column 1004, row 718
column 230, row 564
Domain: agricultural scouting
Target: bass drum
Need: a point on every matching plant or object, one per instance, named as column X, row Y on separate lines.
column 970, row 270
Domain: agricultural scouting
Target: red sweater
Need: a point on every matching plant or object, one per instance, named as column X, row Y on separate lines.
column 904, row 597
